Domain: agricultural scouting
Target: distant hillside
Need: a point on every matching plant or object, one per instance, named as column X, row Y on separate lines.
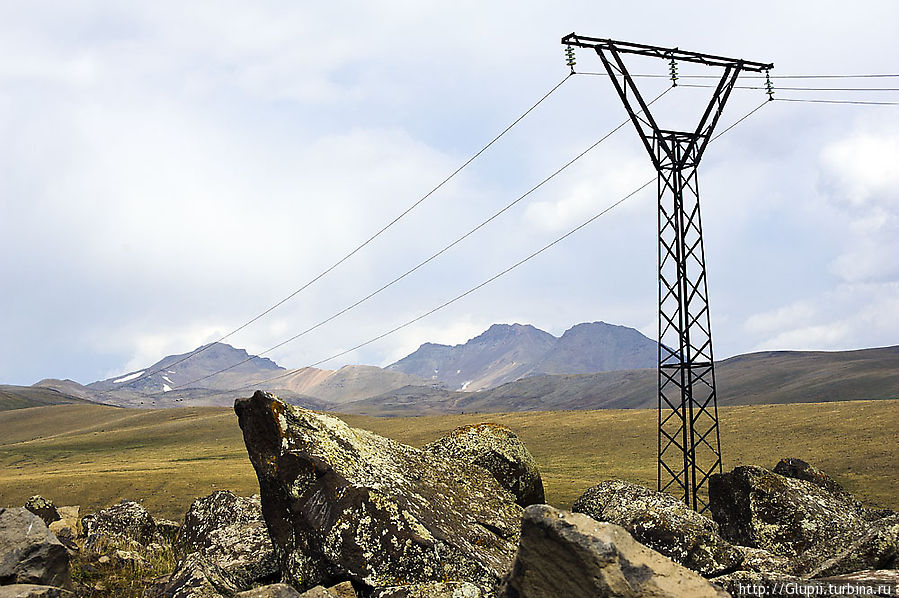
column 753, row 379
column 22, row 397
column 168, row 383
column 166, row 374
column 508, row 352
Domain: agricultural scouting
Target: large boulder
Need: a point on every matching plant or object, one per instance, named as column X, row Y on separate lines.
column 878, row 548
column 346, row 504
column 789, row 517
column 663, row 523
column 229, row 530
column 800, row 470
column 30, row 553
column 43, row 508
column 497, row 449
column 124, row 522
column 570, row 554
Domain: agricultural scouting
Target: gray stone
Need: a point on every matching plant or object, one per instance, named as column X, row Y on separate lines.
column 570, row 554
column 43, row 508
column 452, row 589
column 229, row 530
column 68, row 527
column 497, row 449
column 786, row 516
column 125, row 521
column 27, row 590
column 195, row 577
column 277, row 590
column 29, row 552
column 663, row 523
column 878, row 548
column 346, row 504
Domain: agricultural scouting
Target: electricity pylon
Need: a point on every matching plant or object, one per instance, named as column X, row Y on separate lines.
column 689, row 442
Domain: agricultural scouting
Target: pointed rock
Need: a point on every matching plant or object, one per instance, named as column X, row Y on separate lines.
column 346, row 504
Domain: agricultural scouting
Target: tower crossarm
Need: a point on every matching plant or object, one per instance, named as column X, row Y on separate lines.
column 573, row 39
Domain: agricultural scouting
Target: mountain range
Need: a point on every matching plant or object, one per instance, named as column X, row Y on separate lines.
column 505, row 353
column 509, row 367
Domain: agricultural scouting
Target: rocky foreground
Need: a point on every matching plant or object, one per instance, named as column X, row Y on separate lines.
column 345, row 513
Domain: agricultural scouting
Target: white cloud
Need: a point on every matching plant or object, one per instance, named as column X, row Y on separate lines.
column 170, row 170
column 788, row 316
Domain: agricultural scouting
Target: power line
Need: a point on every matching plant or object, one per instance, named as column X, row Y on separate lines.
column 491, row 279
column 779, row 88
column 773, row 77
column 461, row 295
column 371, row 238
column 429, row 259
column 818, row 101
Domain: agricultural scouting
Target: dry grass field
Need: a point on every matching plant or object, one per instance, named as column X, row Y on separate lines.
column 95, row 456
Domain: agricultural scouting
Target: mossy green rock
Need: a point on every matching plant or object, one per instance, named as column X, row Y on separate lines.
column 790, row 517
column 497, row 449
column 663, row 523
column 343, row 503
column 229, row 530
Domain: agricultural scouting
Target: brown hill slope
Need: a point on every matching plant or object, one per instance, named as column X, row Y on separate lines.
column 23, row 397
column 95, row 456
column 756, row 378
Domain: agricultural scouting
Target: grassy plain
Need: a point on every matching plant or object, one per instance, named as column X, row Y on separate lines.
column 95, row 456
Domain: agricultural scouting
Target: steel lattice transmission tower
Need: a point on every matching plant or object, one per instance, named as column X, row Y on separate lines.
column 689, row 446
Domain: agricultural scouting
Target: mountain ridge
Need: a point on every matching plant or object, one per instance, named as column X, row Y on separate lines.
column 508, row 352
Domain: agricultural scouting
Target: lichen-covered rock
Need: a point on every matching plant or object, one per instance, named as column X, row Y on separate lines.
column 453, row 589
column 43, row 508
column 760, row 560
column 29, row 552
column 127, row 520
column 346, row 504
column 878, row 548
column 786, row 516
column 195, row 577
column 27, row 590
column 800, row 470
column 229, row 530
column 663, row 523
column 275, row 590
column 497, row 449
column 570, row 554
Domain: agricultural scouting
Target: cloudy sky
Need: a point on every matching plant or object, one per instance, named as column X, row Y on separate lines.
column 168, row 170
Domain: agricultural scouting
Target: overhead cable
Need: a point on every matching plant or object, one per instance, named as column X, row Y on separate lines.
column 492, row 278
column 434, row 256
column 372, row 237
